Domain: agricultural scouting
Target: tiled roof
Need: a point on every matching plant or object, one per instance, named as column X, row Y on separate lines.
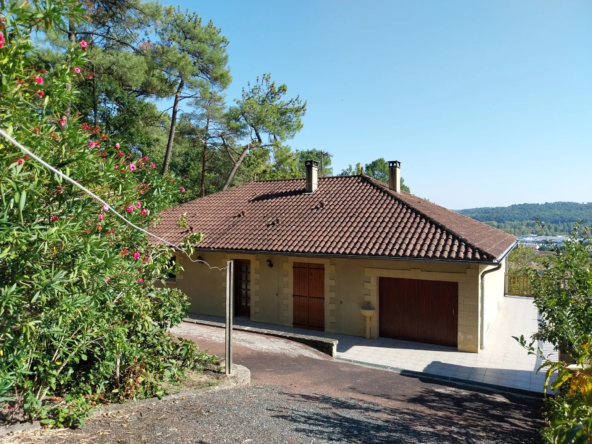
column 347, row 215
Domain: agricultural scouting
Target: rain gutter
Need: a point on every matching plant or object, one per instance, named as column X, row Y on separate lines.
column 351, row 256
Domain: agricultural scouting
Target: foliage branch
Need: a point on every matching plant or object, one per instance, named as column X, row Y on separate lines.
column 564, row 300
column 81, row 319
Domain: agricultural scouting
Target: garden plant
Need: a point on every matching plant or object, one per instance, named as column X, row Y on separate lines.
column 564, row 300
column 81, row 319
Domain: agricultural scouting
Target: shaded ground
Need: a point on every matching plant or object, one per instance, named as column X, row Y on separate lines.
column 303, row 398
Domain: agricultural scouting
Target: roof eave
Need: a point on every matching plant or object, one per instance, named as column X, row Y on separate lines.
column 349, row 256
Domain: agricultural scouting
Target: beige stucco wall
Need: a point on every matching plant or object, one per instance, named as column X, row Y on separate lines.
column 494, row 294
column 203, row 286
column 349, row 284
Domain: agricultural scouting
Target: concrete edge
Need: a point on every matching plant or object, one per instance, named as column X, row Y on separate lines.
column 324, row 345
column 435, row 377
column 240, row 376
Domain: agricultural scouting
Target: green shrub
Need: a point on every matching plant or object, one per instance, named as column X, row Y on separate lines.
column 81, row 320
column 564, row 297
column 564, row 300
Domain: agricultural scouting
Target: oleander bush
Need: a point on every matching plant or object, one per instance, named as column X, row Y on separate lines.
column 81, row 320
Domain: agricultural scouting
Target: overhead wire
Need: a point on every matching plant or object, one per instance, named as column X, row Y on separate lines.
column 98, row 199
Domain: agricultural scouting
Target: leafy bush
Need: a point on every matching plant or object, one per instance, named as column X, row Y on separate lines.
column 564, row 300
column 564, row 297
column 523, row 258
column 81, row 320
column 569, row 413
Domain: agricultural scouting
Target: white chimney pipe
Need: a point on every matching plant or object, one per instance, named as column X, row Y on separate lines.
column 395, row 175
column 312, row 175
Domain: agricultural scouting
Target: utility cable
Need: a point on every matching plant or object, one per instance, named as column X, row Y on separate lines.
column 98, row 199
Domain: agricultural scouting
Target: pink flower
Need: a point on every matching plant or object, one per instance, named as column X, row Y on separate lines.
column 136, row 256
column 107, row 280
column 146, row 159
column 83, row 44
column 90, row 76
column 40, row 93
column 116, row 166
column 164, row 211
column 39, row 80
column 117, row 145
column 182, row 189
column 140, row 280
column 62, row 123
column 105, row 207
column 2, row 40
column 91, row 144
column 132, row 167
column 138, row 205
column 144, row 212
column 101, row 216
column 130, row 209
column 20, row 162
column 152, row 165
column 64, row 118
column 77, row 70
column 54, row 218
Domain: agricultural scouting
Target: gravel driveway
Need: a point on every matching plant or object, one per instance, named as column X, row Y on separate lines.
column 265, row 414
column 301, row 396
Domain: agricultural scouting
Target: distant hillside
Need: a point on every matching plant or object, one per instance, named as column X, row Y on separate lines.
column 556, row 217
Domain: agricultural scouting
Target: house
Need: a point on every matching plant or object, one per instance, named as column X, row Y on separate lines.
column 345, row 254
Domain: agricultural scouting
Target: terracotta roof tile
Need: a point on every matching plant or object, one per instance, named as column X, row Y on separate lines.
column 347, row 215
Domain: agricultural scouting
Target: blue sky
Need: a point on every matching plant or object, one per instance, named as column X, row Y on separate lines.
column 485, row 103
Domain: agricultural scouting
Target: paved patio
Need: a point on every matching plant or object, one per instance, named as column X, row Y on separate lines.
column 503, row 362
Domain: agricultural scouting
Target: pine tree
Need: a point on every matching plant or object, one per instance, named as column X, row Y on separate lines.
column 192, row 60
column 262, row 118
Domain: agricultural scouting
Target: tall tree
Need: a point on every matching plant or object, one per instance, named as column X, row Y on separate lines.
column 277, row 162
column 208, row 115
column 351, row 170
column 192, row 58
column 262, row 118
column 116, row 85
column 314, row 154
column 379, row 169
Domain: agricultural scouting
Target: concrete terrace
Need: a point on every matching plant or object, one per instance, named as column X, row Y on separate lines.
column 502, row 363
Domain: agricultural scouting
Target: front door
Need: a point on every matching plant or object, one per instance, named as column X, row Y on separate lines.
column 309, row 296
column 242, row 287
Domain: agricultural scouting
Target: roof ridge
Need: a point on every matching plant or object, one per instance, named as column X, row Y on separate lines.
column 381, row 186
column 303, row 178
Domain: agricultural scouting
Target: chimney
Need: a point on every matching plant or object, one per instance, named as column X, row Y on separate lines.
column 395, row 175
column 312, row 175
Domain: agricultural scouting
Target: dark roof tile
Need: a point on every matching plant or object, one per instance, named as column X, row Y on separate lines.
column 347, row 215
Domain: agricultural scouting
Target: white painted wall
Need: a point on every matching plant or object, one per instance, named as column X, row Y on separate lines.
column 494, row 294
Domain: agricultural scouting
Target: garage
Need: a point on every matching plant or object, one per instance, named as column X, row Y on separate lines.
column 419, row 310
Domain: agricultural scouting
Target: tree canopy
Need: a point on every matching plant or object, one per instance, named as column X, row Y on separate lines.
column 82, row 319
column 378, row 169
column 542, row 219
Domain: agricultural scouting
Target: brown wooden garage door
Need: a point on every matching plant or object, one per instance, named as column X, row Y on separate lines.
column 417, row 310
column 309, row 296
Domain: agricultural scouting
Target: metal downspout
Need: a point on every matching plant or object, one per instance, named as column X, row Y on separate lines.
column 482, row 339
